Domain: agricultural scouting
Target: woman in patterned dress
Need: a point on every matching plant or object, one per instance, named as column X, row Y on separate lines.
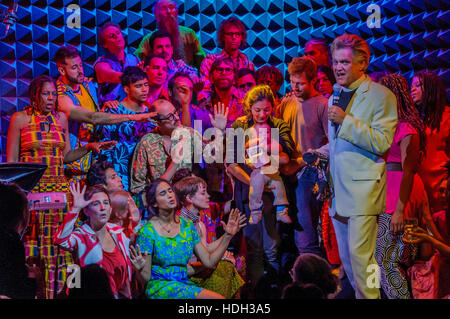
column 39, row 134
column 169, row 242
column 406, row 196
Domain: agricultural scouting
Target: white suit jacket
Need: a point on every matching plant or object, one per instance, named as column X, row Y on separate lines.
column 357, row 150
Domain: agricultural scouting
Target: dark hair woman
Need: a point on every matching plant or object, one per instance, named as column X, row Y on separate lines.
column 38, row 135
column 169, row 242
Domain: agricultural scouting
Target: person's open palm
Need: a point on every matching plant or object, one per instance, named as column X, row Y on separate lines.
column 236, row 221
column 219, row 120
column 78, row 196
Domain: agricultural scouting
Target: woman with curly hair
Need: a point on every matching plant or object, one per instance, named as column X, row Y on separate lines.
column 39, row 134
column 406, row 197
column 429, row 96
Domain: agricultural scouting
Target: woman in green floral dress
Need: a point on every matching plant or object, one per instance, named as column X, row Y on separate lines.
column 168, row 242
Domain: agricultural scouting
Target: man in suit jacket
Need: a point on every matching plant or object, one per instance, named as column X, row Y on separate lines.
column 361, row 128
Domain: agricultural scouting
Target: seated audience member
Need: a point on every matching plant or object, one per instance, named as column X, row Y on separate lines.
column 318, row 50
column 271, row 76
column 155, row 149
column 127, row 134
column 125, row 213
column 231, row 37
column 156, row 68
column 97, row 241
column 312, row 269
column 168, row 242
column 246, row 79
column 298, row 291
column 17, row 279
column 186, row 45
column 94, row 284
column 224, row 279
column 162, row 45
column 325, row 81
column 102, row 172
column 109, row 67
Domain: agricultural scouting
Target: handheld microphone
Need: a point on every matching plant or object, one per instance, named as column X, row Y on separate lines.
column 10, row 16
column 336, row 95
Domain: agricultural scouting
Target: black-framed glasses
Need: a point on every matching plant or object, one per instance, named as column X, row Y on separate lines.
column 171, row 117
column 223, row 70
column 233, row 34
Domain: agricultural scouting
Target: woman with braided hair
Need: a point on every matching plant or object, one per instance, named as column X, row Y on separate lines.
column 429, row 96
column 39, row 134
column 405, row 193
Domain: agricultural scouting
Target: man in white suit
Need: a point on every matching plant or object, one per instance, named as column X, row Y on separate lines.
column 361, row 128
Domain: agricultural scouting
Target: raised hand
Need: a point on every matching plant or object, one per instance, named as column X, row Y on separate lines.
column 220, row 116
column 136, row 258
column 99, row 146
column 198, row 84
column 236, row 221
column 78, row 197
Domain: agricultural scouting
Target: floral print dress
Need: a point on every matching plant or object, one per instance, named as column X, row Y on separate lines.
column 127, row 135
column 170, row 256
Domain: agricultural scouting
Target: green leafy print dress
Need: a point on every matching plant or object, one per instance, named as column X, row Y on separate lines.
column 170, row 256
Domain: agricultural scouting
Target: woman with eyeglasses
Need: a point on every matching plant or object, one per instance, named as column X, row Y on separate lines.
column 39, row 134
column 231, row 37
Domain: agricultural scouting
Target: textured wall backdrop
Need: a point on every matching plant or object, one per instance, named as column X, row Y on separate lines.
column 413, row 35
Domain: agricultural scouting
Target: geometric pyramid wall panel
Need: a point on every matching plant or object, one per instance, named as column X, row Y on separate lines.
column 413, row 35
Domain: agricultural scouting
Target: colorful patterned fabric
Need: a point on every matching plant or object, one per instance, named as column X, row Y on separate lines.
column 83, row 241
column 150, row 161
column 191, row 50
column 80, row 133
column 43, row 141
column 241, row 61
column 181, row 66
column 170, row 257
column 127, row 135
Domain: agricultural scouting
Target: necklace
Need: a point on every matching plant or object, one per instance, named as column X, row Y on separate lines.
column 167, row 230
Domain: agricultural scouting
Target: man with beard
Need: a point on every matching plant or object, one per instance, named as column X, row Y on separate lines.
column 231, row 37
column 222, row 77
column 162, row 45
column 156, row 68
column 77, row 98
column 306, row 114
column 186, row 45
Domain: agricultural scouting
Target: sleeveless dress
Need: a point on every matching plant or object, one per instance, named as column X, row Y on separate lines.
column 170, row 256
column 42, row 141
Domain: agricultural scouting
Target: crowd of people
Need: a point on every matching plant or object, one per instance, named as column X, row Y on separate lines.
column 343, row 179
